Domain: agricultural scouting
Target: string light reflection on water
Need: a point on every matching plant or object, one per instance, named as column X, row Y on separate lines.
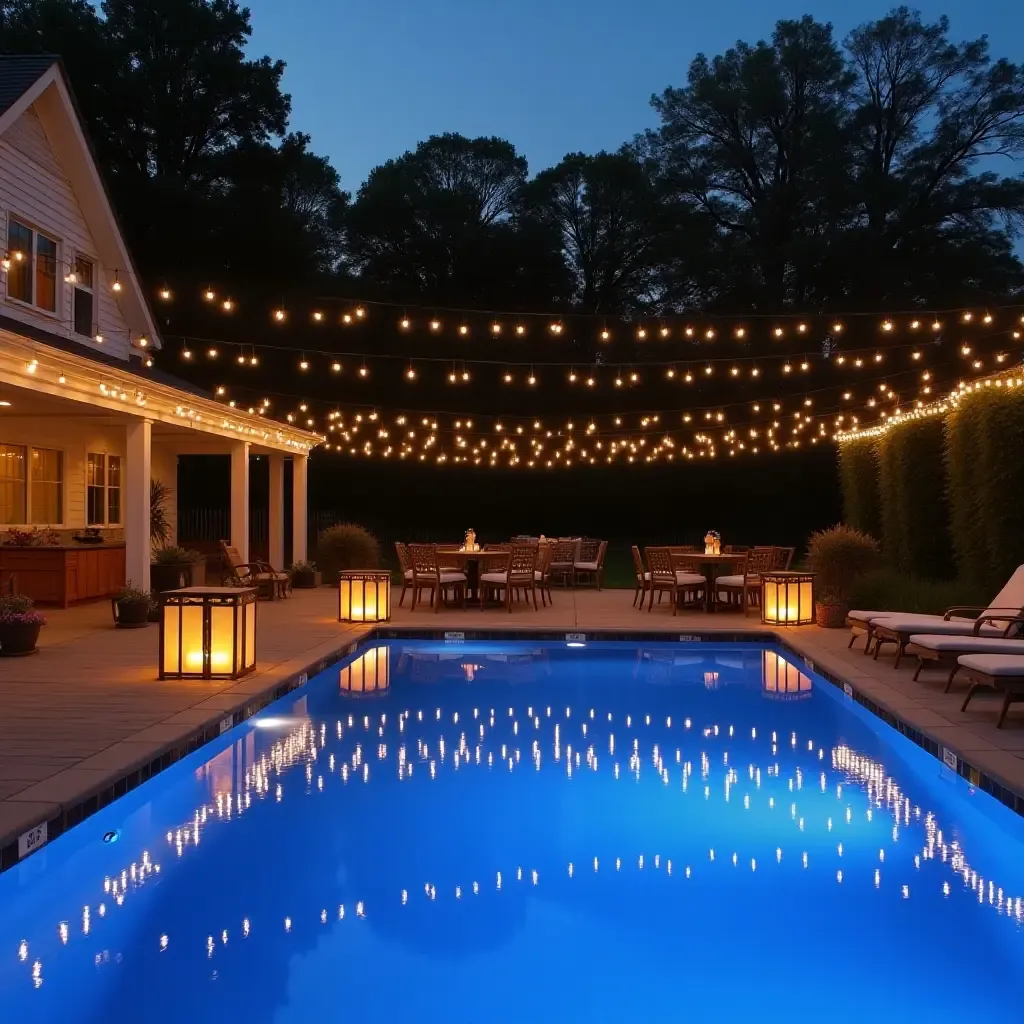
column 673, row 831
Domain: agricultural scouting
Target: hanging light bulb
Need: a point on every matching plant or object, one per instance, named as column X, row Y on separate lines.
column 572, row 376
column 318, row 316
column 209, row 295
column 664, row 332
column 887, row 325
column 346, row 318
column 360, row 312
column 605, row 334
column 410, row 374
column 801, row 328
column 936, row 325
column 279, row 315
column 465, row 375
column 186, row 353
column 495, row 328
column 787, row 368
column 211, row 353
column 641, row 333
column 304, row 364
column 221, row 390
column 435, row 325
column 837, row 328
column 531, row 380
column 968, row 317
column 987, row 318
column 227, row 305
column 708, row 370
column 520, row 329
column 463, row 329
column 779, row 332
column 364, row 370
column 507, row 378
column 99, row 339
column 241, row 360
column 116, row 286
column 404, row 323
column 710, row 334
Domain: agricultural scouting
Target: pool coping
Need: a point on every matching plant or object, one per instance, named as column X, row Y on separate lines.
column 33, row 834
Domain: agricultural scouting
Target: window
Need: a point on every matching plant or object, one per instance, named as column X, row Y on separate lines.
column 84, row 318
column 33, row 274
column 12, row 484
column 103, row 490
column 46, row 502
column 31, row 486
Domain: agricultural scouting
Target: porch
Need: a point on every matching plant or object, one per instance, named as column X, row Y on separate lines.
column 78, row 719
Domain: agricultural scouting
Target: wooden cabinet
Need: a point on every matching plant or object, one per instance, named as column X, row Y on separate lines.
column 64, row 576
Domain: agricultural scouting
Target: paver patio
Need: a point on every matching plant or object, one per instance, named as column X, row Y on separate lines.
column 88, row 709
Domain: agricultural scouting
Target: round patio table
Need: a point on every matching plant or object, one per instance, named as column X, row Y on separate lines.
column 710, row 570
column 469, row 563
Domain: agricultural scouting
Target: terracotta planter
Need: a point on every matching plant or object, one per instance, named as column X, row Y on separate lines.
column 130, row 614
column 304, row 580
column 830, row 616
column 18, row 638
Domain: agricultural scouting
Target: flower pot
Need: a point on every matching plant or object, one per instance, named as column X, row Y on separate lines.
column 165, row 576
column 18, row 638
column 830, row 616
column 130, row 614
column 304, row 579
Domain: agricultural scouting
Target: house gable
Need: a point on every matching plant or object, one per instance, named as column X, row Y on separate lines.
column 49, row 182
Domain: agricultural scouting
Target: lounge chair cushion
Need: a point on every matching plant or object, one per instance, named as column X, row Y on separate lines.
column 688, row 579
column 935, row 624
column 966, row 644
column 586, row 566
column 1007, row 666
column 867, row 616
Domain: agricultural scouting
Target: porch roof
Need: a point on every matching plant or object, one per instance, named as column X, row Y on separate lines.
column 126, row 389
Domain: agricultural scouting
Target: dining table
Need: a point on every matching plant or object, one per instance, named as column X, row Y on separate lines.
column 467, row 561
column 710, row 569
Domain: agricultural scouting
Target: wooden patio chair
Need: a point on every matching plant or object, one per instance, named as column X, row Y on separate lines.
column 592, row 567
column 746, row 585
column 268, row 581
column 494, row 560
column 643, row 577
column 405, row 565
column 542, row 574
column 563, row 558
column 427, row 575
column 692, row 585
column 783, row 559
column 520, row 575
column 662, row 577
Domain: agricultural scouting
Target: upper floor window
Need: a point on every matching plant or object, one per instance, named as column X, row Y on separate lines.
column 33, row 274
column 84, row 296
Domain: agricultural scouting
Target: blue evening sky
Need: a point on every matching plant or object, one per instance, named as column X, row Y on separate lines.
column 371, row 78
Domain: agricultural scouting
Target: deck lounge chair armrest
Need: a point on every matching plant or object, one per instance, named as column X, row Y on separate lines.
column 1010, row 620
column 966, row 610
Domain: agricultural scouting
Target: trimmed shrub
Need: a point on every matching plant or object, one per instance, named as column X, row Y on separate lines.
column 839, row 556
column 858, row 477
column 346, row 546
column 914, row 513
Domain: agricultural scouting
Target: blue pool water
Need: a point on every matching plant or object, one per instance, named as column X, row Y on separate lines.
column 525, row 832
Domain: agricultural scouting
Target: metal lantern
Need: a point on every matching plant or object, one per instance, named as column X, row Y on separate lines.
column 369, row 675
column 781, row 679
column 364, row 596
column 787, row 598
column 207, row 632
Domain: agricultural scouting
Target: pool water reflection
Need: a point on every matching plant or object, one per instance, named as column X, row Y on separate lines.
column 526, row 831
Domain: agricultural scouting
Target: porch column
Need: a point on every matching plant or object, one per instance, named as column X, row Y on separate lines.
column 299, row 511
column 138, row 451
column 240, row 498
column 275, row 519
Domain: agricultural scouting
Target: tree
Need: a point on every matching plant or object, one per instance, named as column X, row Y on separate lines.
column 926, row 113
column 613, row 223
column 443, row 224
column 757, row 140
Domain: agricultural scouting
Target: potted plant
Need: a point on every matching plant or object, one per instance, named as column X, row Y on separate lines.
column 19, row 625
column 130, row 607
column 154, row 607
column 171, row 569
column 303, row 575
column 838, row 557
column 346, row 546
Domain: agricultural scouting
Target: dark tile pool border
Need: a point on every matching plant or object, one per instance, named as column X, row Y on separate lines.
column 77, row 812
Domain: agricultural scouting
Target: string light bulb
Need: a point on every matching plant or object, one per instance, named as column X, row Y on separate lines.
column 404, row 323
column 209, row 295
column 968, row 317
column 987, row 318
column 664, row 332
column 116, row 286
column 228, row 305
column 279, row 315
column 317, row 315
column 463, row 329
column 710, row 334
column 520, row 329
column 410, row 373
column 304, row 365
column 364, row 370
column 360, row 312
column 641, row 334
column 435, row 325
column 212, row 353
column 556, row 328
column 495, row 328
column 936, row 325
column 887, row 325
column 606, row 334
column 99, row 339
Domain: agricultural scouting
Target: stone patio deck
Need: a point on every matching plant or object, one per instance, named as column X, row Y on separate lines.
column 88, row 709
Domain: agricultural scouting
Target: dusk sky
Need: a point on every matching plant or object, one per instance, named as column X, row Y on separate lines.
column 371, row 78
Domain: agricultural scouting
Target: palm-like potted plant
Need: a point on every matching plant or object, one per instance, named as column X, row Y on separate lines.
column 838, row 557
column 19, row 625
column 303, row 575
column 131, row 607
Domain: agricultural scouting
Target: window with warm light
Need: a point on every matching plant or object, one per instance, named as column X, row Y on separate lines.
column 31, row 486
column 103, row 490
column 32, row 278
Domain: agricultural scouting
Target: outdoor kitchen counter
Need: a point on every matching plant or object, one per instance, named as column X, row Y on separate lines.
column 65, row 574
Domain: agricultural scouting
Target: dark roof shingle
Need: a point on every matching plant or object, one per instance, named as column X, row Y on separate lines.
column 18, row 73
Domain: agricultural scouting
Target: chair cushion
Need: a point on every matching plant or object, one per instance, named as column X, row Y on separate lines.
column 408, row 574
column 492, row 577
column 966, row 644
column 689, row 579
column 1008, row 666
column 730, row 581
column 586, row 566
column 910, row 624
column 453, row 577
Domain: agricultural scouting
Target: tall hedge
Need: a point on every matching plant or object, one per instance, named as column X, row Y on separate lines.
column 912, row 492
column 858, row 475
column 984, row 443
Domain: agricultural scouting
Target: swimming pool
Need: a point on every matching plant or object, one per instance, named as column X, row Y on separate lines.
column 528, row 831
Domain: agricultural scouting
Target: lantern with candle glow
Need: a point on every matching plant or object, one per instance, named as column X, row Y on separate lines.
column 787, row 598
column 781, row 679
column 364, row 596
column 367, row 675
column 207, row 632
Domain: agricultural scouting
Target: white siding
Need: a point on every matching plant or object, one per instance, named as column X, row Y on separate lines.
column 34, row 188
column 75, row 437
